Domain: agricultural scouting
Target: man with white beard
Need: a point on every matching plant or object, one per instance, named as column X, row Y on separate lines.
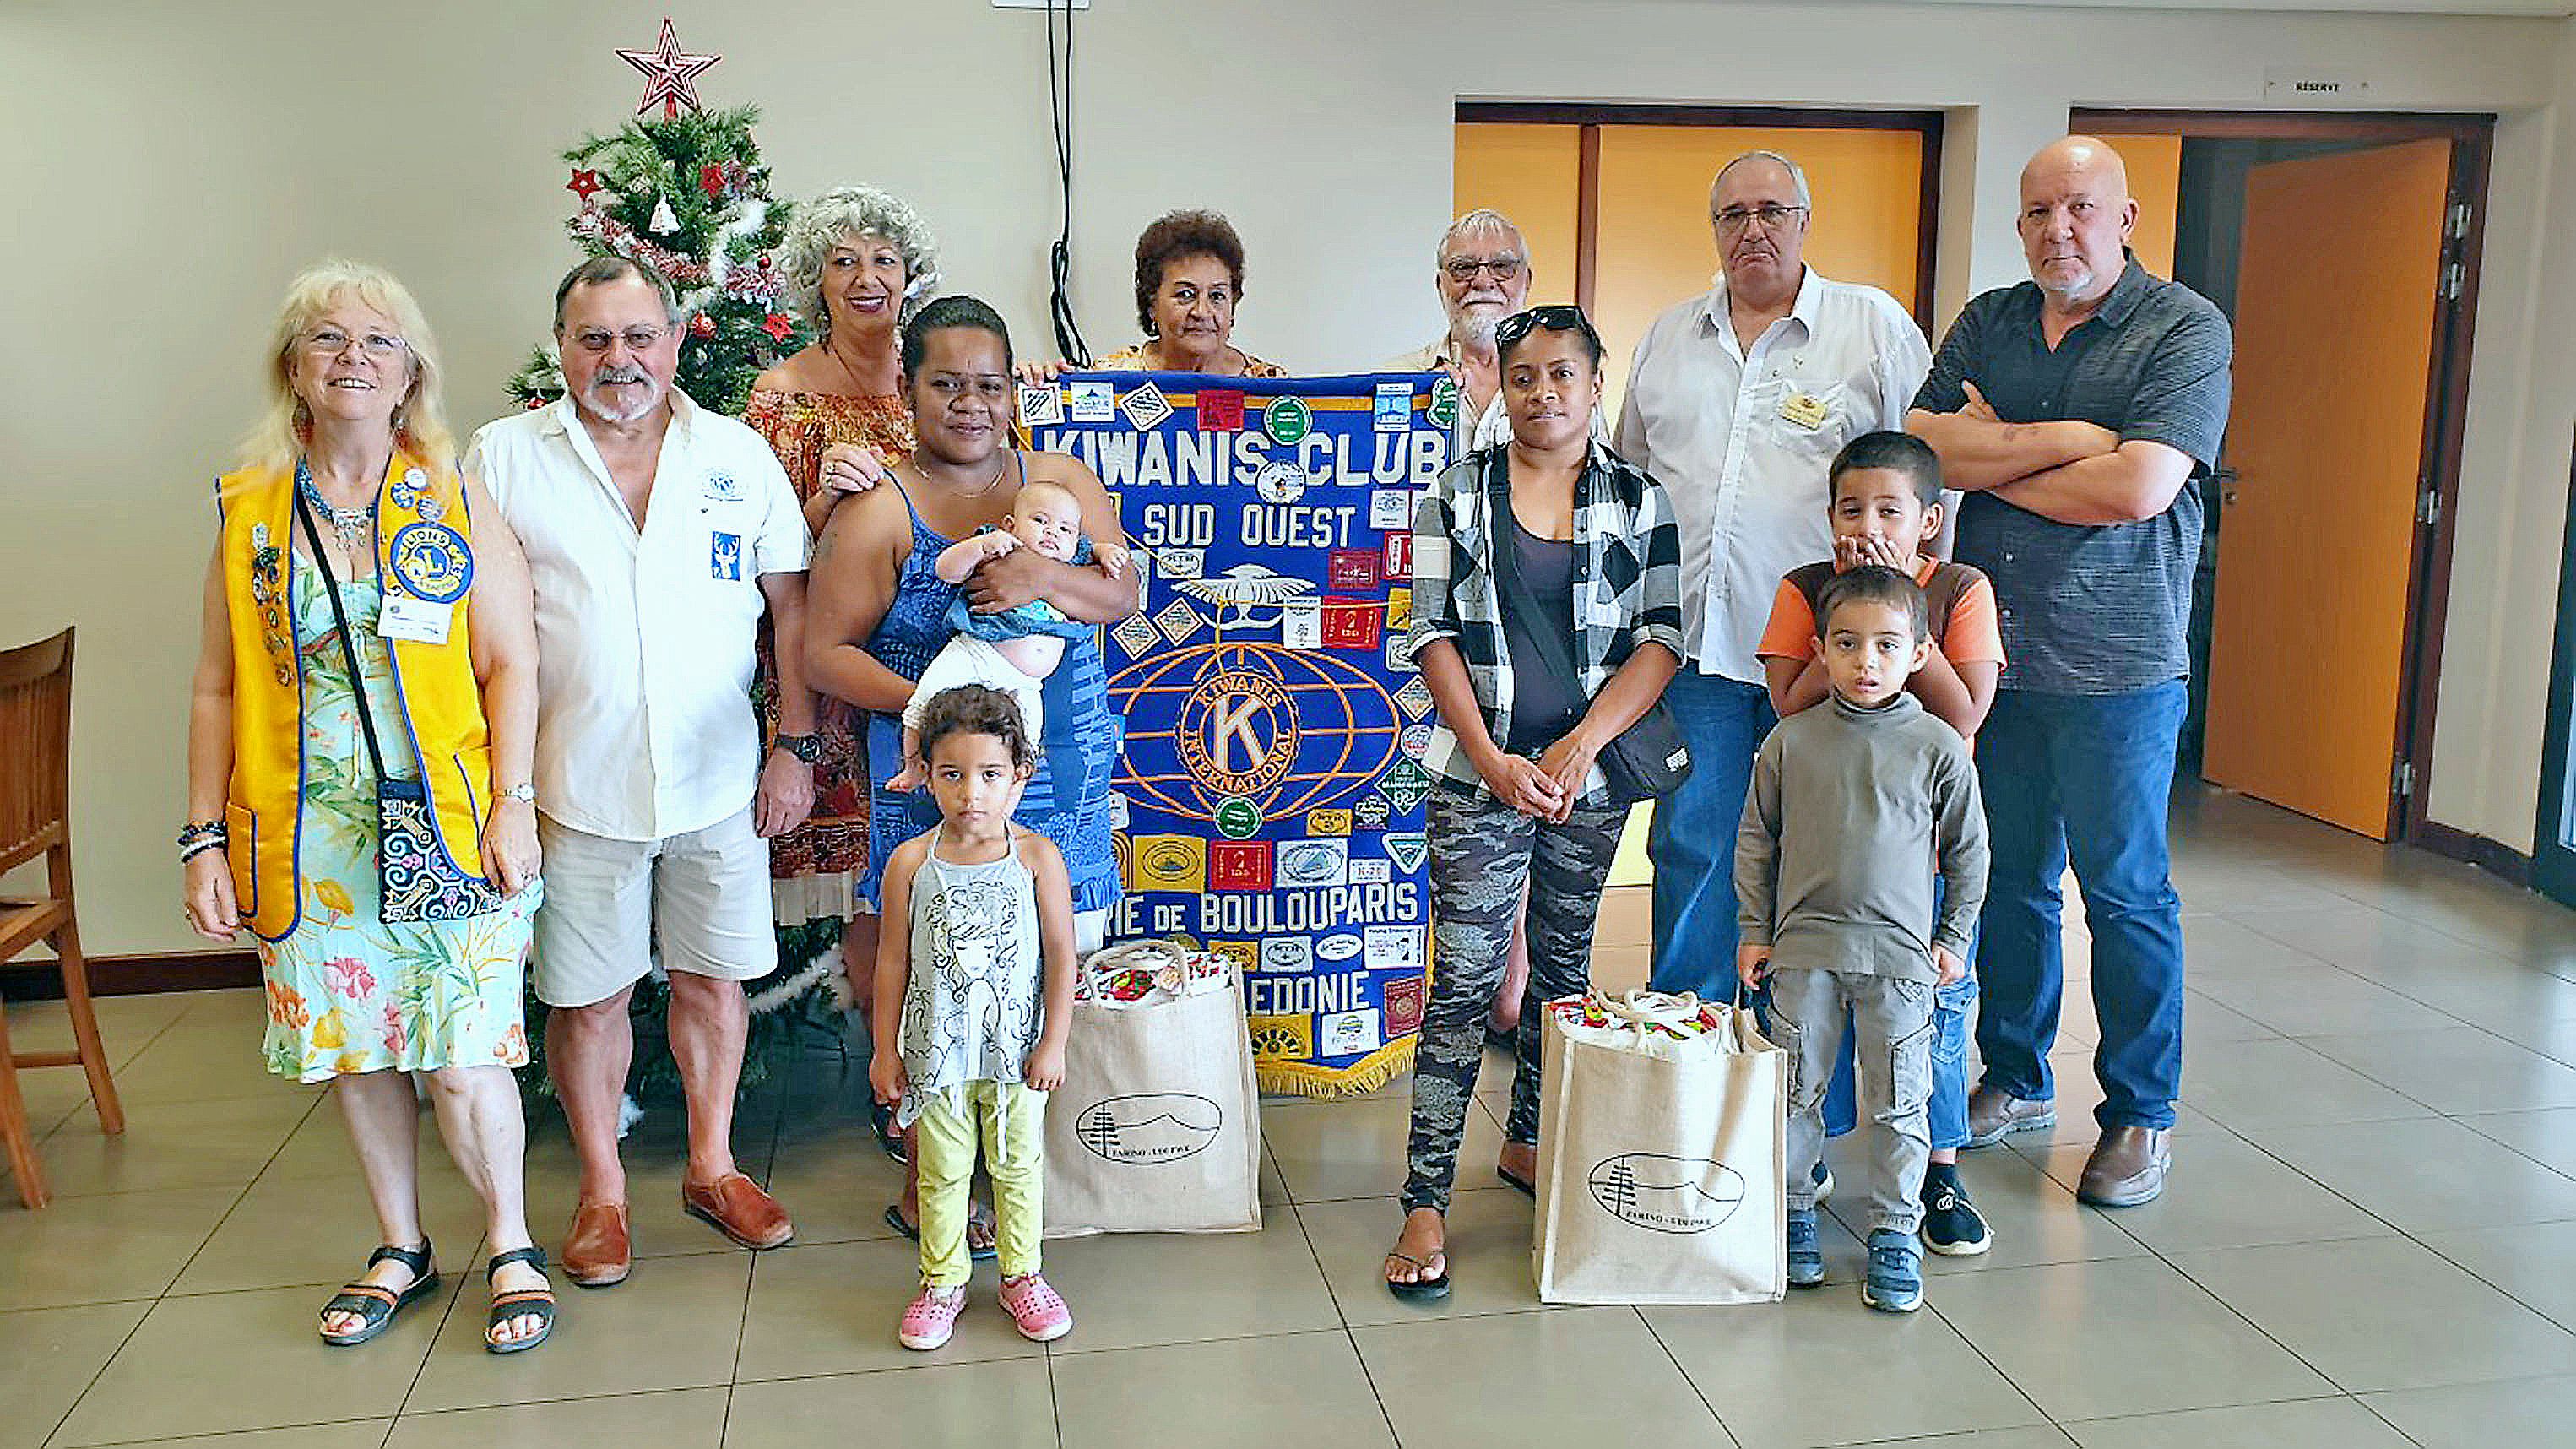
column 1482, row 273
column 657, row 534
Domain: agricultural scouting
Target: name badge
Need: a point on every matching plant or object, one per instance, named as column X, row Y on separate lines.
column 416, row 620
column 724, row 556
column 1804, row 410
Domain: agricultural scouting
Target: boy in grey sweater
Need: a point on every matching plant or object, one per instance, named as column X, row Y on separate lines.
column 1853, row 807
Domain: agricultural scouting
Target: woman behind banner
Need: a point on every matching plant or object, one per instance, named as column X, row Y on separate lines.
column 877, row 610
column 1189, row 279
column 328, row 702
column 859, row 263
column 1588, row 544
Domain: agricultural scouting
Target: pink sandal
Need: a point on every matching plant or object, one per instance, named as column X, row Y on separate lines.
column 1034, row 1307
column 931, row 1317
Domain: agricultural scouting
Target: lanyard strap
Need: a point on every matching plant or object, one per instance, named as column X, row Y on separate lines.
column 348, row 647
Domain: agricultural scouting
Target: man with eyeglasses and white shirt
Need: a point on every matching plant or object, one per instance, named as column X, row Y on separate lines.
column 657, row 534
column 1737, row 402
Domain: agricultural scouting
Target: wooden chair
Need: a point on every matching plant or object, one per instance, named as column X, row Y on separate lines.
column 35, row 810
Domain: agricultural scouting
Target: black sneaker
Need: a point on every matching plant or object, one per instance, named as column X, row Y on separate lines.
column 1951, row 1224
column 1824, row 1180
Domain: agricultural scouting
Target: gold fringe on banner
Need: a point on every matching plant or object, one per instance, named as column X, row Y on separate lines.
column 1308, row 1079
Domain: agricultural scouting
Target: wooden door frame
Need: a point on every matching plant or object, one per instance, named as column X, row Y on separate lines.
column 1590, row 117
column 2428, row 576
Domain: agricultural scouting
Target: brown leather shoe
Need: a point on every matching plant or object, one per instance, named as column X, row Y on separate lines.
column 736, row 1207
column 596, row 1250
column 1994, row 1114
column 2127, row 1168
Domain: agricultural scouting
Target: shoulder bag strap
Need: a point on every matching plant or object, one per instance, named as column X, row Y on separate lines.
column 348, row 648
column 1513, row 590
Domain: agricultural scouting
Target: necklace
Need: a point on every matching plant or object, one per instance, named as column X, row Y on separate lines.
column 857, row 388
column 351, row 526
column 988, row 485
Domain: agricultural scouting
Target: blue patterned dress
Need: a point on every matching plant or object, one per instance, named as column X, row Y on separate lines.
column 1068, row 800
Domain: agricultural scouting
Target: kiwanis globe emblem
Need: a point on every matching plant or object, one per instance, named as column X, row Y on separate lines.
column 1215, row 725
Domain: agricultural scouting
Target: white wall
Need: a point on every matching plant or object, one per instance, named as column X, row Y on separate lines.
column 172, row 163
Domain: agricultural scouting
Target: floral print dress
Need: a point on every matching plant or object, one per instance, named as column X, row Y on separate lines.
column 347, row 992
column 814, row 869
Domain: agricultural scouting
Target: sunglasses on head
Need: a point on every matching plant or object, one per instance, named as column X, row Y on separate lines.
column 1559, row 317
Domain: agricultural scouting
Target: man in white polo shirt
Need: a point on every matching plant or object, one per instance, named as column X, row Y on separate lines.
column 656, row 535
column 1738, row 400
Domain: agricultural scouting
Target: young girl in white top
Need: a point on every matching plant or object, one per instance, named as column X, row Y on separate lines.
column 982, row 984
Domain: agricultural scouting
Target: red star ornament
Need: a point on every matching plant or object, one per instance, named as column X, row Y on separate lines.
column 584, row 183
column 672, row 72
column 778, row 326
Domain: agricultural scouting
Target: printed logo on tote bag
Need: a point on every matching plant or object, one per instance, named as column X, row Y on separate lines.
column 1667, row 1194
column 1150, row 1127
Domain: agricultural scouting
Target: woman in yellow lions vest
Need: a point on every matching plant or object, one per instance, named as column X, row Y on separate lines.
column 391, row 904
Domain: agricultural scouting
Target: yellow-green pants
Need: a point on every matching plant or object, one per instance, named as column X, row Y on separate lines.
column 1009, row 1121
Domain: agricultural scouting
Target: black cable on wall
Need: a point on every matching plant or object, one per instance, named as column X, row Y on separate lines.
column 1068, row 333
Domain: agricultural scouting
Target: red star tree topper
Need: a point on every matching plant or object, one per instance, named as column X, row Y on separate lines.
column 673, row 73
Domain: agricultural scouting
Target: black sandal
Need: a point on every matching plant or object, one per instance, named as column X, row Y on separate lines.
column 1420, row 1290
column 376, row 1305
column 889, row 1141
column 912, row 1231
column 536, row 1303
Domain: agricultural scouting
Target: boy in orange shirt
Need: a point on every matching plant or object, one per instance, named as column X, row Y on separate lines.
column 1884, row 503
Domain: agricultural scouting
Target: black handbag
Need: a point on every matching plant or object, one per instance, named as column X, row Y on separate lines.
column 1649, row 758
column 415, row 879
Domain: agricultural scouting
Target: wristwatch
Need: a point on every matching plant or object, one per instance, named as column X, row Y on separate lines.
column 803, row 747
column 525, row 794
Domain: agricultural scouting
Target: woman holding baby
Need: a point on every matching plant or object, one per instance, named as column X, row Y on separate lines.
column 882, row 600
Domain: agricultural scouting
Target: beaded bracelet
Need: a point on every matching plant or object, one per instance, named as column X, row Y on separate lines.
column 191, row 852
column 196, row 830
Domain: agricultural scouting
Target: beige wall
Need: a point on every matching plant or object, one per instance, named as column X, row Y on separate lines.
column 171, row 163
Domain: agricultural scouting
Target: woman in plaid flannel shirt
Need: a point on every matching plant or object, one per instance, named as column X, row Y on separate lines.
column 1519, row 797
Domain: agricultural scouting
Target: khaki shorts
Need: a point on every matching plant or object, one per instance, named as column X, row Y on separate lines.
column 702, row 897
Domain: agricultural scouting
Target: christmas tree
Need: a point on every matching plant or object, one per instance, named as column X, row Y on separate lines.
column 686, row 194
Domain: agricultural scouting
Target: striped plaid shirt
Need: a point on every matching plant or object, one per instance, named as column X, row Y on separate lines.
column 1627, row 585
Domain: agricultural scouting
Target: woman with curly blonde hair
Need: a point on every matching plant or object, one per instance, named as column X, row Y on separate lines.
column 361, row 742
column 859, row 263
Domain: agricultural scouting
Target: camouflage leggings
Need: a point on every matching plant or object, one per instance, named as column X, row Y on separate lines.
column 1481, row 852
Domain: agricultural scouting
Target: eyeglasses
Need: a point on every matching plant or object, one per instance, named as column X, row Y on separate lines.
column 331, row 342
column 1465, row 269
column 1558, row 317
column 596, row 340
column 1736, row 218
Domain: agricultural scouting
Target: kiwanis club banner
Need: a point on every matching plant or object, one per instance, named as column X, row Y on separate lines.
column 1273, row 715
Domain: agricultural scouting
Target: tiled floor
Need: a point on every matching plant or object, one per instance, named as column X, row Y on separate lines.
column 2370, row 1239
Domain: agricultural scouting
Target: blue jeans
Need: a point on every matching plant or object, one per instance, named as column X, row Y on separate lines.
column 1692, row 844
column 2085, row 777
column 1946, row 1113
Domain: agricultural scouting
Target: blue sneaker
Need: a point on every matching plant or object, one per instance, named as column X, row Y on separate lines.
column 1806, row 1250
column 1824, row 1180
column 1895, row 1281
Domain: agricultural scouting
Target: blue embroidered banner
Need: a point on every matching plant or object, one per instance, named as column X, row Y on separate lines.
column 1274, row 720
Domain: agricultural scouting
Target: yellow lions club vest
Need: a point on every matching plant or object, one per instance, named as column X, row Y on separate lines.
column 424, row 551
